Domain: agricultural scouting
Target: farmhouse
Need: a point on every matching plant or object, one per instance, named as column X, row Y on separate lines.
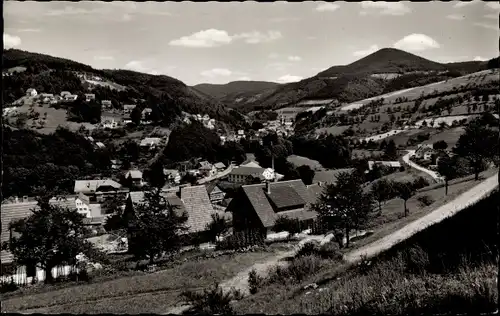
column 65, row 93
column 207, row 169
column 193, row 200
column 150, row 142
column 241, row 174
column 93, row 186
column 127, row 108
column 388, row 164
column 31, row 92
column 172, row 176
column 134, row 177
column 215, row 193
column 424, row 151
column 257, row 206
column 89, row 97
column 220, row 166
column 106, row 104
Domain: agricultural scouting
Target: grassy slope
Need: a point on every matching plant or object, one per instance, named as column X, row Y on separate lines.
column 140, row 293
column 289, row 297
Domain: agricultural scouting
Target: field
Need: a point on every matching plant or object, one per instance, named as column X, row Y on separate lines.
column 55, row 117
column 142, row 293
column 299, row 161
column 289, row 297
column 333, row 130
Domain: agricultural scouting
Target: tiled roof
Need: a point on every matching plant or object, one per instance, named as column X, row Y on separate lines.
column 172, row 199
column 329, row 176
column 220, row 165
column 256, row 194
column 198, row 207
column 12, row 212
column 284, row 197
column 93, row 185
column 148, row 141
column 247, row 171
column 134, row 174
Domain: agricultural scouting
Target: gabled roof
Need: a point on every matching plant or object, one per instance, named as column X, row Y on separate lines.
column 93, row 185
column 213, row 188
column 134, row 174
column 148, row 141
column 220, row 165
column 251, row 163
column 12, row 212
column 172, row 199
column 285, row 197
column 248, row 171
column 198, row 207
column 256, row 194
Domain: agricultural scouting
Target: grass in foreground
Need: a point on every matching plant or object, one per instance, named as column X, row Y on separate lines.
column 145, row 293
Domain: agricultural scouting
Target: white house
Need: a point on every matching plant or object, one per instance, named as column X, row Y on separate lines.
column 71, row 97
column 65, row 93
column 127, row 108
column 83, row 205
column 150, row 142
column 31, row 92
column 106, row 104
column 89, row 97
column 172, row 175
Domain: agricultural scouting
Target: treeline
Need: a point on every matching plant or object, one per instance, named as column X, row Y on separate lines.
column 32, row 161
column 330, row 151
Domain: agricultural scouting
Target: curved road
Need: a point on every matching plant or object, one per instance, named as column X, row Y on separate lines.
column 433, row 174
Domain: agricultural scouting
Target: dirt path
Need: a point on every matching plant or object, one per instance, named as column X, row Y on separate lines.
column 406, row 159
column 461, row 202
column 240, row 281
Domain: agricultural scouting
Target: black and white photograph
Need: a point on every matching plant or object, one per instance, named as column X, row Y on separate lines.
column 233, row 158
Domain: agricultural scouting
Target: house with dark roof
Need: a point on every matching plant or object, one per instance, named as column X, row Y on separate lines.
column 93, row 186
column 241, row 174
column 220, row 166
column 215, row 193
column 134, row 177
column 257, row 206
column 193, row 200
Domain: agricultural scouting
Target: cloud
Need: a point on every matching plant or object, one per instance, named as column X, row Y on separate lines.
column 10, row 41
column 479, row 58
column 206, row 38
column 457, row 17
column 416, row 43
column 294, row 58
column 258, row 37
column 487, row 26
column 104, row 58
column 280, row 66
column 216, row 72
column 461, row 4
column 289, row 78
column 139, row 66
column 493, row 5
column 273, row 56
column 327, row 7
column 368, row 51
column 384, row 8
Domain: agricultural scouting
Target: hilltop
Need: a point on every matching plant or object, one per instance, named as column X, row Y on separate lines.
column 384, row 71
column 49, row 74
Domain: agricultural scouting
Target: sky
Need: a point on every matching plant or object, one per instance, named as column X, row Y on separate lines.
column 217, row 42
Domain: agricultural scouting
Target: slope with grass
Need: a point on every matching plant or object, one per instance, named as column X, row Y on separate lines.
column 352, row 82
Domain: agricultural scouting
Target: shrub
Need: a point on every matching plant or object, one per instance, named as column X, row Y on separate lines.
column 425, row 200
column 211, row 301
column 419, row 183
column 254, row 281
column 10, row 286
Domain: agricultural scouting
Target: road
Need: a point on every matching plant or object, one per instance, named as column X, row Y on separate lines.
column 433, row 174
column 481, row 190
column 217, row 176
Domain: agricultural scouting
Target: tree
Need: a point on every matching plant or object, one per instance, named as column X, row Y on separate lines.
column 381, row 191
column 136, row 116
column 478, row 143
column 211, row 302
column 155, row 175
column 284, row 223
column 391, row 152
column 440, row 145
column 306, row 174
column 50, row 237
column 404, row 191
column 217, row 227
column 344, row 205
column 156, row 227
column 447, row 168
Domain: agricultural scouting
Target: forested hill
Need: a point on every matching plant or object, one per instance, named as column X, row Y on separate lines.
column 48, row 74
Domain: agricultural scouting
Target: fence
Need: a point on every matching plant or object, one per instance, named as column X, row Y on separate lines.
column 21, row 278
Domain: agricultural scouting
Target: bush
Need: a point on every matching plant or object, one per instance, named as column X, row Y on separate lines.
column 425, row 200
column 254, row 281
column 10, row 286
column 419, row 183
column 211, row 301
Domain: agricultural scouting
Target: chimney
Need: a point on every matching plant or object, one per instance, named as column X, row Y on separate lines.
column 16, row 199
column 268, row 187
column 25, row 199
